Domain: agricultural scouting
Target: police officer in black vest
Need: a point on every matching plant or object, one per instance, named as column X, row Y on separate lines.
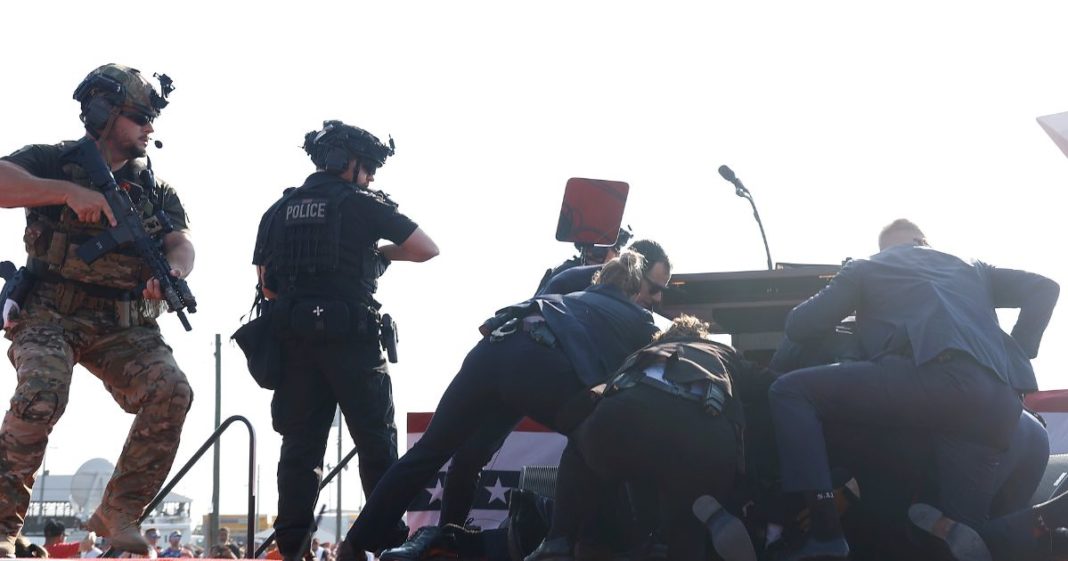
column 318, row 260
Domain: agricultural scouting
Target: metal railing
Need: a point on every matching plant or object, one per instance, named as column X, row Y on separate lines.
column 326, row 481
column 250, row 538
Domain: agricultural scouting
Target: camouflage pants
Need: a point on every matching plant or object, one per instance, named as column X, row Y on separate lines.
column 136, row 367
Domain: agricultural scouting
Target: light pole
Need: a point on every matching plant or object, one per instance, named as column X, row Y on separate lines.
column 337, row 512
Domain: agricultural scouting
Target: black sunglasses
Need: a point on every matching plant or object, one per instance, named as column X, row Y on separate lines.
column 139, row 118
column 654, row 287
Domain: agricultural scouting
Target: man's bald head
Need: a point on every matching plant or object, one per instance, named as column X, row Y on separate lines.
column 901, row 232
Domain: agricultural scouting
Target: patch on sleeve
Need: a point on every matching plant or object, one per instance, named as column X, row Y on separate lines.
column 306, row 211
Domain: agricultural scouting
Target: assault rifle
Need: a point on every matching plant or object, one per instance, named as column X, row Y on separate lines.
column 130, row 229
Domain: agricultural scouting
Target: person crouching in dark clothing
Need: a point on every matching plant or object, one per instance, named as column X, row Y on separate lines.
column 536, row 359
column 671, row 416
column 939, row 363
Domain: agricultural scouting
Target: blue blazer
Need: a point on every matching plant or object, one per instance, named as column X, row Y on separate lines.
column 597, row 328
column 571, row 280
column 914, row 299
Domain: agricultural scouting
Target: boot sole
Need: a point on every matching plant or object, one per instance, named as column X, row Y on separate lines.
column 729, row 536
column 964, row 542
column 96, row 524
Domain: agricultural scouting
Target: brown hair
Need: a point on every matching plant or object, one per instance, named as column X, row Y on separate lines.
column 623, row 272
column 684, row 327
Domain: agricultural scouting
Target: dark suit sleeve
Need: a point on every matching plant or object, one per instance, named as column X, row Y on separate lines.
column 817, row 317
column 1035, row 296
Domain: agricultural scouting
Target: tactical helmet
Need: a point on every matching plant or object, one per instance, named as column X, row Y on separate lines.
column 594, row 254
column 622, row 238
column 333, row 147
column 123, row 89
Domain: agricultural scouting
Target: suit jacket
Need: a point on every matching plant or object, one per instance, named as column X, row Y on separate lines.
column 597, row 329
column 919, row 301
column 571, row 280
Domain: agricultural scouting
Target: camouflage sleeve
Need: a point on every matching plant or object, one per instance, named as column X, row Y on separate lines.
column 41, row 160
column 172, row 205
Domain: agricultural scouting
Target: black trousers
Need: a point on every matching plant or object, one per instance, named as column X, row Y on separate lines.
column 317, row 378
column 465, row 472
column 972, row 413
column 644, row 434
column 499, row 383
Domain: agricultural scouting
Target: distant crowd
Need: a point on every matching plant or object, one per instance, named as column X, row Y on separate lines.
column 90, row 546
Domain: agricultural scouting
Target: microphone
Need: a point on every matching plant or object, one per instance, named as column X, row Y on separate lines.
column 728, row 174
column 157, row 143
column 740, row 190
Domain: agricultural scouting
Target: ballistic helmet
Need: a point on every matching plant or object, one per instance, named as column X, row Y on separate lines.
column 624, row 236
column 114, row 87
column 337, row 143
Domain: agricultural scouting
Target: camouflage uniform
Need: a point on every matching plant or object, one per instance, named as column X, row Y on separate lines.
column 136, row 367
column 91, row 315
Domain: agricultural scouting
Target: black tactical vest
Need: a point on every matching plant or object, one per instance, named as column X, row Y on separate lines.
column 306, row 251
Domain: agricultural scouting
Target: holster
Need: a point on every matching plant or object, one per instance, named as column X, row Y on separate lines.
column 388, row 337
column 17, row 286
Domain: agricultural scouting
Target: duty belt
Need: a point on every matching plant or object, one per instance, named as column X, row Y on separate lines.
column 69, row 296
column 91, row 290
column 537, row 329
column 713, row 400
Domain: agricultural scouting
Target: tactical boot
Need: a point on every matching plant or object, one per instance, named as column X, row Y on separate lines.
column 428, row 542
column 556, row 549
column 345, row 552
column 7, row 546
column 397, row 536
column 1059, row 543
column 964, row 543
column 729, row 536
column 25, row 549
column 123, row 532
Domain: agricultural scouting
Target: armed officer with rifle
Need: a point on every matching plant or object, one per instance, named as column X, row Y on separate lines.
column 318, row 261
column 106, row 244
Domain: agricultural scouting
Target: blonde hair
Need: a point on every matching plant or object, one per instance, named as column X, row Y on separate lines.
column 684, row 327
column 623, row 272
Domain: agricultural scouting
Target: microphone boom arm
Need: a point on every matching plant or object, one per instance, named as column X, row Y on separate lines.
column 744, row 193
column 760, row 223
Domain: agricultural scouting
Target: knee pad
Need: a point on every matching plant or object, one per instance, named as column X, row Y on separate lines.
column 173, row 390
column 39, row 401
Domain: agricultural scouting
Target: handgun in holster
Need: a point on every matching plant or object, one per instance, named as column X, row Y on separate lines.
column 17, row 283
column 388, row 337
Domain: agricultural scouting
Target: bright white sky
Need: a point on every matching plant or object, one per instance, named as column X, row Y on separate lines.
column 838, row 116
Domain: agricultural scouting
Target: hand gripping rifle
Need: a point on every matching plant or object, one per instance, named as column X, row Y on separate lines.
column 129, row 230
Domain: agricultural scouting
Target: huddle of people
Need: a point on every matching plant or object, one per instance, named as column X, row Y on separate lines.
column 660, row 419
